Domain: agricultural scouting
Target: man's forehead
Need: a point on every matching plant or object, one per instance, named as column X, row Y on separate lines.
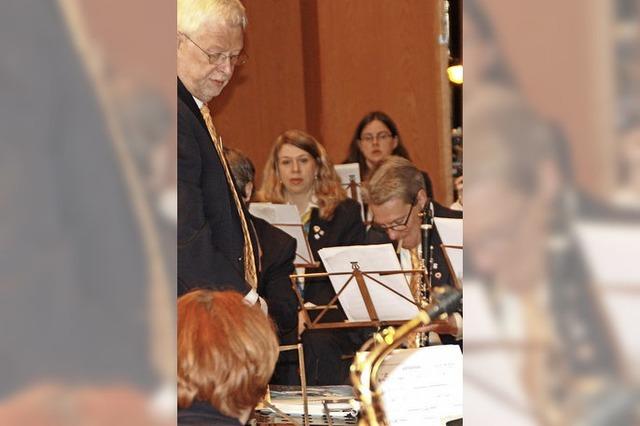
column 222, row 36
column 390, row 210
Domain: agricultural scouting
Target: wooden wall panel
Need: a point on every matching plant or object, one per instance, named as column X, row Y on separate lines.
column 573, row 86
column 267, row 95
column 321, row 65
column 383, row 55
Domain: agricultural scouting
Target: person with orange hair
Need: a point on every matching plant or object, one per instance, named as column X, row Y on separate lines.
column 227, row 351
column 298, row 171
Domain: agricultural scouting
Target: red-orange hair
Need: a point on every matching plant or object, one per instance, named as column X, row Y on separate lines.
column 227, row 351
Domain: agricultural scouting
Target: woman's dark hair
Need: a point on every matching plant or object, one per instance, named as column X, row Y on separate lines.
column 355, row 155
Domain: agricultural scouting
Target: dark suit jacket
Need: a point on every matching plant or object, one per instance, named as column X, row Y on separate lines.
column 204, row 414
column 344, row 229
column 278, row 254
column 210, row 240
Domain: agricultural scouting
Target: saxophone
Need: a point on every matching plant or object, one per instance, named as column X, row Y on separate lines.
column 364, row 370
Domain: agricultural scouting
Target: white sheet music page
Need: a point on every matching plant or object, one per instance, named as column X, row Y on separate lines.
column 450, row 230
column 347, row 173
column 381, row 257
column 422, row 387
column 286, row 218
column 276, row 213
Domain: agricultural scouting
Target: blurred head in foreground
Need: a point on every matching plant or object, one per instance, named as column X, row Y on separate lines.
column 227, row 351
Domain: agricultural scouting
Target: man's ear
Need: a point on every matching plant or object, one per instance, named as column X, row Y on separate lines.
column 248, row 191
column 421, row 199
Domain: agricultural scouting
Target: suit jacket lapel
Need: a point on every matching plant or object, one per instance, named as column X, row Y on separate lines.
column 187, row 98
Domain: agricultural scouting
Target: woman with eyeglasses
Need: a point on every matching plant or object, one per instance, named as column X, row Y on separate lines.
column 376, row 137
column 299, row 172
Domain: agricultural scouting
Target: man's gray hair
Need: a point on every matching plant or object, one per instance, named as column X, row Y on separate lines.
column 192, row 14
column 396, row 177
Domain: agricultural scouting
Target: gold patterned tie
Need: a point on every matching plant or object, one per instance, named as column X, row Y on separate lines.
column 415, row 288
column 250, row 274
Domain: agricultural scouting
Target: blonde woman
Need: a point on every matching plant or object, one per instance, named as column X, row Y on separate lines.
column 299, row 172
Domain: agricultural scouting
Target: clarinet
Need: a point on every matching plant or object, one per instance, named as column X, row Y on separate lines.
column 427, row 245
column 427, row 262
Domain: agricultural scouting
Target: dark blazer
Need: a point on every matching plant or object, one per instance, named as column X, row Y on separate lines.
column 210, row 240
column 204, row 414
column 278, row 254
column 441, row 275
column 344, row 229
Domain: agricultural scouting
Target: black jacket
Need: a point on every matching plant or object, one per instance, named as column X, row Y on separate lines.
column 210, row 239
column 204, row 414
column 274, row 285
column 346, row 228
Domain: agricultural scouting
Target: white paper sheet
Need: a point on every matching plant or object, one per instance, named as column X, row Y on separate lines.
column 422, row 386
column 612, row 252
column 456, row 258
column 347, row 173
column 286, row 218
column 381, row 257
column 276, row 213
column 450, row 230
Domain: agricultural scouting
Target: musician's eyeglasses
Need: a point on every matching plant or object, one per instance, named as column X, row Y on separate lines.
column 396, row 226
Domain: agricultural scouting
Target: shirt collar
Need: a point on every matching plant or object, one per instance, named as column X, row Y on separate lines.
column 198, row 102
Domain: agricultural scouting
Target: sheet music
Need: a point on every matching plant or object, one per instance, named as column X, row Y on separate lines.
column 450, row 230
column 611, row 251
column 286, row 218
column 381, row 257
column 455, row 256
column 422, row 386
column 348, row 172
column 276, row 213
column 492, row 369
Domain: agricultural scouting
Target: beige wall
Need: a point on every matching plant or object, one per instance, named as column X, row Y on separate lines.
column 573, row 86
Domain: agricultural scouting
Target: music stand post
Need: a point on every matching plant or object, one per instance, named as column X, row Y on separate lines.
column 356, row 275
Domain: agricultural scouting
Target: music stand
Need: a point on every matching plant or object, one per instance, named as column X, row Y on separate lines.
column 357, row 276
column 304, row 255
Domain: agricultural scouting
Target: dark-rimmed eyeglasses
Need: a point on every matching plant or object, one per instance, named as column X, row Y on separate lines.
column 219, row 59
column 396, row 226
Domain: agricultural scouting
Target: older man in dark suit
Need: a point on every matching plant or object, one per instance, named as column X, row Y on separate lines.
column 217, row 247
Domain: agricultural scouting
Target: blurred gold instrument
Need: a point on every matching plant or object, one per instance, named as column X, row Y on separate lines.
column 364, row 370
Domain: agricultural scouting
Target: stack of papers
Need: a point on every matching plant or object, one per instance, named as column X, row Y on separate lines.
column 339, row 400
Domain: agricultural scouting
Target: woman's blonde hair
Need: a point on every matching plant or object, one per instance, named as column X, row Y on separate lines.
column 227, row 351
column 327, row 187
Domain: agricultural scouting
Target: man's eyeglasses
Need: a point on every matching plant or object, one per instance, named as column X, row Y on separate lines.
column 218, row 59
column 382, row 137
column 395, row 226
